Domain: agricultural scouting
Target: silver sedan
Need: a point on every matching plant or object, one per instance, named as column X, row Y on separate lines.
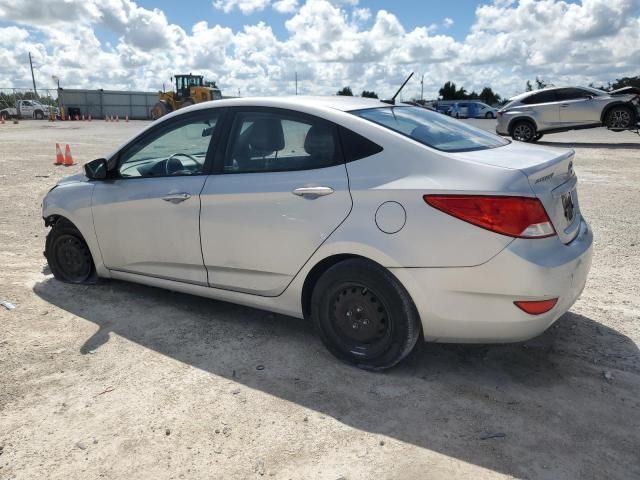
column 380, row 223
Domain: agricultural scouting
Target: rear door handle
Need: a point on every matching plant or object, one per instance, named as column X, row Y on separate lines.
column 313, row 191
column 176, row 197
column 564, row 105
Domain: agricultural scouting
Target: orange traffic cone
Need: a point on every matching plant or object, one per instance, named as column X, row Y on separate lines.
column 117, row 118
column 59, row 156
column 83, row 117
column 89, row 117
column 68, row 159
column 126, row 118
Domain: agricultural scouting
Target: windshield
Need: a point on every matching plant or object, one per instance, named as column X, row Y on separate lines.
column 432, row 129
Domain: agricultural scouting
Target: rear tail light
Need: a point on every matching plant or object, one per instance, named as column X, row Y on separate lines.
column 521, row 217
column 537, row 307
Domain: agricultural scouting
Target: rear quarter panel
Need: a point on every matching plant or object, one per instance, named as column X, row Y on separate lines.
column 403, row 173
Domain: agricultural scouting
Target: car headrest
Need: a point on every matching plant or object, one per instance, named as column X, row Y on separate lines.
column 266, row 135
column 319, row 142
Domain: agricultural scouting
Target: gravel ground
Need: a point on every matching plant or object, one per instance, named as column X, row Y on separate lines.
column 125, row 381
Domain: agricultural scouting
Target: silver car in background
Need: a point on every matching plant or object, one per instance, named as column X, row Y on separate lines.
column 528, row 116
column 472, row 109
column 382, row 224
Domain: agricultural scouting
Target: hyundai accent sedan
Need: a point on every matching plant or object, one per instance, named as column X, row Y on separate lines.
column 380, row 223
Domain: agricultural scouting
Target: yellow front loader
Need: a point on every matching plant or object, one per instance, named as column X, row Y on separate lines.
column 190, row 89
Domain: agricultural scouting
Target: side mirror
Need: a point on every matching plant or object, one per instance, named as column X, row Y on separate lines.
column 96, row 169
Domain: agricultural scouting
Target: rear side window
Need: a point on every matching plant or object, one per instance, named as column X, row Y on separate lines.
column 432, row 129
column 275, row 141
column 541, row 97
column 356, row 147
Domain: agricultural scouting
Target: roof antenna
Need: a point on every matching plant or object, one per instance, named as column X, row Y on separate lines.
column 392, row 101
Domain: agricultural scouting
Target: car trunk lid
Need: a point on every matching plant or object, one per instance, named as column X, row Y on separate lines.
column 550, row 174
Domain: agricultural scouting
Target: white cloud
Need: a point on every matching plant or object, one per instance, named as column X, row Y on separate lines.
column 329, row 43
column 285, row 6
column 245, row 6
column 447, row 22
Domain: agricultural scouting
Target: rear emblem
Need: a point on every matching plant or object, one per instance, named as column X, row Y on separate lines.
column 567, row 206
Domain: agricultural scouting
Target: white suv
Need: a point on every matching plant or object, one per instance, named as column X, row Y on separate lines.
column 528, row 116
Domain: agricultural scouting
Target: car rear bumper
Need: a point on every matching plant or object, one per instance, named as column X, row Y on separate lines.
column 475, row 304
column 501, row 127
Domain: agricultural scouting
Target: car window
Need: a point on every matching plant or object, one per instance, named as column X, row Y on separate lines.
column 432, row 129
column 275, row 141
column 572, row 94
column 180, row 148
column 540, row 97
column 356, row 147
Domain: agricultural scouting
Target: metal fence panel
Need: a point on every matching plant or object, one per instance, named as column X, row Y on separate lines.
column 101, row 103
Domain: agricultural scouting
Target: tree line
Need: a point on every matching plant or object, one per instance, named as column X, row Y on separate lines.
column 450, row 91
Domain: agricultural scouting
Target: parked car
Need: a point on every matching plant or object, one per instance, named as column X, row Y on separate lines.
column 377, row 222
column 528, row 116
column 28, row 109
column 443, row 108
column 472, row 110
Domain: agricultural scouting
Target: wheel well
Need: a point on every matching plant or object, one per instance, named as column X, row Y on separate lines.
column 607, row 109
column 521, row 119
column 314, row 275
column 52, row 220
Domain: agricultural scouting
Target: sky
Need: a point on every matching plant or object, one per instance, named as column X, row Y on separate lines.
column 255, row 47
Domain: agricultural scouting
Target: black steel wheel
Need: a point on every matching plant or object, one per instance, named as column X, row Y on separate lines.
column 68, row 255
column 364, row 316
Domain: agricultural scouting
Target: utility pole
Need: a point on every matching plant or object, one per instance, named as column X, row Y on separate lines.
column 32, row 76
column 296, row 83
column 422, row 89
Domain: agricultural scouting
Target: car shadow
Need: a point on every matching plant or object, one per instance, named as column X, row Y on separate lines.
column 574, row 390
column 612, row 145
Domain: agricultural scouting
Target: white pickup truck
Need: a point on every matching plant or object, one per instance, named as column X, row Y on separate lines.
column 28, row 109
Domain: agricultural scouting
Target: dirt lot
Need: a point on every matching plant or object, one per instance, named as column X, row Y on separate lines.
column 124, row 381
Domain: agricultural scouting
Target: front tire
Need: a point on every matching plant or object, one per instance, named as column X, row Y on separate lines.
column 364, row 316
column 523, row 131
column 68, row 255
column 488, row 115
column 39, row 115
column 159, row 110
column 620, row 118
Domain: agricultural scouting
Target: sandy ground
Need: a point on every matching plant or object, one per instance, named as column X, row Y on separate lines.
column 125, row 381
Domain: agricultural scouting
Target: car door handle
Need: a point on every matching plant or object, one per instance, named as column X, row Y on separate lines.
column 564, row 105
column 313, row 191
column 176, row 197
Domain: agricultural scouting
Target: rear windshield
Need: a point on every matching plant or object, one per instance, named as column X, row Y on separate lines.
column 432, row 129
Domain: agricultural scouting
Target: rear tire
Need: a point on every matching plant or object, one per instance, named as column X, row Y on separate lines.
column 364, row 316
column 68, row 255
column 488, row 115
column 523, row 131
column 620, row 117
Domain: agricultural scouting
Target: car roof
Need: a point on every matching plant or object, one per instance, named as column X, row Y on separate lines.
column 336, row 102
column 526, row 94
